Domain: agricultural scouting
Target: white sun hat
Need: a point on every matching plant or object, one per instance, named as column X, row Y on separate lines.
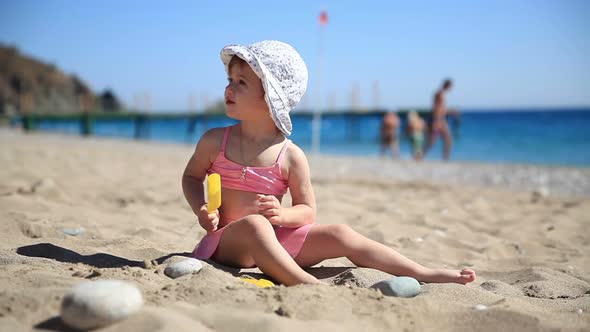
column 283, row 74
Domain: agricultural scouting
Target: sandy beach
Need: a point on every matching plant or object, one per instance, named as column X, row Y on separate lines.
column 524, row 229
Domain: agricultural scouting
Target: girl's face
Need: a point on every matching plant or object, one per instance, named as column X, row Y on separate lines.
column 244, row 94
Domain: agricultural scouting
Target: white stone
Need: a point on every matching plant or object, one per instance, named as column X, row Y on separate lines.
column 580, row 311
column 178, row 269
column 439, row 232
column 74, row 231
column 544, row 191
column 419, row 239
column 541, row 192
column 480, row 307
column 99, row 303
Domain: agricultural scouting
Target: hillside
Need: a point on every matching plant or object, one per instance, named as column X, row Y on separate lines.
column 28, row 85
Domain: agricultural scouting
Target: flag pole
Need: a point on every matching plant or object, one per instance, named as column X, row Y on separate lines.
column 317, row 114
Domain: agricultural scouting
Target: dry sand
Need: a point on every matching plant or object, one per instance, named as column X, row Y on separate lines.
column 530, row 251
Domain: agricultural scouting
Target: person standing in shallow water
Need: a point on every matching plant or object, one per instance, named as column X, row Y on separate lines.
column 389, row 134
column 438, row 125
column 415, row 130
column 258, row 165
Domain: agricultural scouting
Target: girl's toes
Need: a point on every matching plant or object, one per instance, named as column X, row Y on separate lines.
column 468, row 275
column 467, row 272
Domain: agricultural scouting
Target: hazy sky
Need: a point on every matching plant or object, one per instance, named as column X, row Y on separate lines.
column 500, row 53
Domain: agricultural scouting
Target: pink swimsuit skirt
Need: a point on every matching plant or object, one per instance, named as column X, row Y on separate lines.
column 290, row 238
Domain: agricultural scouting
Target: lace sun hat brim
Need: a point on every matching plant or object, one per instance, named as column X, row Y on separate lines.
column 293, row 71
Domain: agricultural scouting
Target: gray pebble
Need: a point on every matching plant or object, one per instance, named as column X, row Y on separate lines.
column 74, row 231
column 399, row 287
column 43, row 185
column 99, row 303
column 178, row 269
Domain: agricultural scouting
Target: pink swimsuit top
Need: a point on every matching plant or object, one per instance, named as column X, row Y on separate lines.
column 266, row 180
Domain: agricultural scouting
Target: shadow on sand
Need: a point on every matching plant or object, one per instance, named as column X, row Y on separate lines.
column 98, row 260
column 102, row 260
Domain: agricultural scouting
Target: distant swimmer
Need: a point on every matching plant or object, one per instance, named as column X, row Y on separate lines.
column 415, row 131
column 438, row 125
column 389, row 134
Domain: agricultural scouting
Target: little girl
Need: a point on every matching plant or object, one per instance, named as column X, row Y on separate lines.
column 257, row 164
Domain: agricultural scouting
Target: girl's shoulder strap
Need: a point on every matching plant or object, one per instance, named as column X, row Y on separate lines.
column 283, row 149
column 225, row 136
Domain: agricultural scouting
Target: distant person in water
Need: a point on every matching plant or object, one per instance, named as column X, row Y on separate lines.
column 389, row 137
column 415, row 131
column 438, row 125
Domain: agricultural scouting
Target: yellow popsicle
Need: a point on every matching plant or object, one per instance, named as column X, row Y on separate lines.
column 262, row 283
column 213, row 192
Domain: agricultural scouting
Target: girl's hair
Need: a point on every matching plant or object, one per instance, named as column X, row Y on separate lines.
column 236, row 60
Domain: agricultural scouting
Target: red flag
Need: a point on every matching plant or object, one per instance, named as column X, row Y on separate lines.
column 324, row 18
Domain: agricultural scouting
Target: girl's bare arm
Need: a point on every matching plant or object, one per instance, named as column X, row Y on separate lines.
column 196, row 169
column 303, row 209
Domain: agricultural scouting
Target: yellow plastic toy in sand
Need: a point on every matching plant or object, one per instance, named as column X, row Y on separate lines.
column 213, row 192
column 262, row 283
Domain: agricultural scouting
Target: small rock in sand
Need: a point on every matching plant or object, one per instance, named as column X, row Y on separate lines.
column 73, row 231
column 146, row 264
column 43, row 185
column 99, row 303
column 480, row 307
column 399, row 287
column 579, row 311
column 439, row 233
column 178, row 269
column 541, row 192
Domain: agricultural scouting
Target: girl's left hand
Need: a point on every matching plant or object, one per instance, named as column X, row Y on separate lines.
column 270, row 207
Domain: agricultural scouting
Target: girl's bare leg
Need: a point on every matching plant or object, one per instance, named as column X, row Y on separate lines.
column 332, row 241
column 252, row 240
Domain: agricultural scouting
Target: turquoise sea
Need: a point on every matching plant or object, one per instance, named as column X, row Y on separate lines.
column 543, row 137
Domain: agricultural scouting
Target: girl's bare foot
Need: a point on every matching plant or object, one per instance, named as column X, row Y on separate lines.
column 444, row 276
